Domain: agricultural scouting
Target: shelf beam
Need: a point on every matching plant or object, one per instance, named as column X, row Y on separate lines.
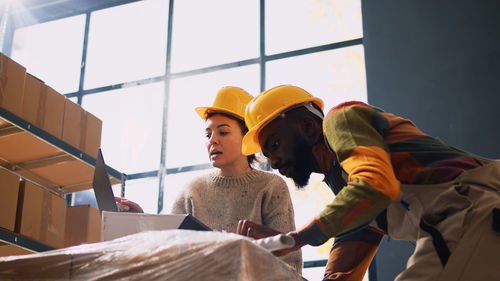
column 44, row 162
column 23, row 242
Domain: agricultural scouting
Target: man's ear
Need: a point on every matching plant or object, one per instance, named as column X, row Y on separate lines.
column 310, row 128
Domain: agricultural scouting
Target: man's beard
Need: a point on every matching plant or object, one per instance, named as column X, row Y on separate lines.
column 302, row 162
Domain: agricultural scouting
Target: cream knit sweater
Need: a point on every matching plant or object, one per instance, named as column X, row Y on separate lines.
column 220, row 202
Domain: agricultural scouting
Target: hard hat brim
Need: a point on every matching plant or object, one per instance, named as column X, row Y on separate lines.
column 250, row 144
column 204, row 111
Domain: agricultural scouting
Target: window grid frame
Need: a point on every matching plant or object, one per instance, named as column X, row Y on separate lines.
column 168, row 76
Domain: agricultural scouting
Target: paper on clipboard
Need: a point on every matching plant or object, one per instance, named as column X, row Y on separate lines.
column 277, row 242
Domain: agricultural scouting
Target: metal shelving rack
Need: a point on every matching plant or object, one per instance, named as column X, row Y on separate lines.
column 15, row 239
column 47, row 161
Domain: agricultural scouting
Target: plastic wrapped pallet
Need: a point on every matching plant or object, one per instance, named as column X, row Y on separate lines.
column 154, row 255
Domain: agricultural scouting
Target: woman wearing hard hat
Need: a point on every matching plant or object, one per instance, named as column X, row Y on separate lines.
column 235, row 191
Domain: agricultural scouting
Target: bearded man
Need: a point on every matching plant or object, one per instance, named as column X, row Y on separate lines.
column 389, row 178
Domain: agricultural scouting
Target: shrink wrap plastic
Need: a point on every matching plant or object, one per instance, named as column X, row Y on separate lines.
column 154, row 255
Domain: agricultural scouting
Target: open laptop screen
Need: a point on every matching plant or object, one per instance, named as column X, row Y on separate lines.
column 102, row 187
column 134, row 222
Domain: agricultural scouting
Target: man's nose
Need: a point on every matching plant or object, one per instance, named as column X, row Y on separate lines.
column 275, row 162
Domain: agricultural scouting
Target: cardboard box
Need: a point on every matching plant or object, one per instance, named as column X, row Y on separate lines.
column 73, row 127
column 83, row 225
column 9, row 191
column 12, row 250
column 31, row 100
column 43, row 107
column 41, row 215
column 92, row 140
column 51, row 109
column 119, row 224
column 178, row 255
column 81, row 129
column 12, row 77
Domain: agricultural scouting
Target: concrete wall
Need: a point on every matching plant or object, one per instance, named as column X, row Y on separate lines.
column 438, row 64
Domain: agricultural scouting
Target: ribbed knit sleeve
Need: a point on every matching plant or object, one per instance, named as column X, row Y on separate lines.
column 182, row 203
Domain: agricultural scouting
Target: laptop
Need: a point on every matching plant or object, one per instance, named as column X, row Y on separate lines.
column 129, row 222
column 102, row 186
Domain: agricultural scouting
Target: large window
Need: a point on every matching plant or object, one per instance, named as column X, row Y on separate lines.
column 126, row 43
column 143, row 66
column 52, row 51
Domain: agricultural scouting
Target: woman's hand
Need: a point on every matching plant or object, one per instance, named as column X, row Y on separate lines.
column 254, row 230
column 125, row 205
column 258, row 231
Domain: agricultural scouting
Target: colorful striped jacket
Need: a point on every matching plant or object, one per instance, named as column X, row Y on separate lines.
column 378, row 151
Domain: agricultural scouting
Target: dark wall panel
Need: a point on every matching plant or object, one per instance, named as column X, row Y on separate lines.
column 438, row 64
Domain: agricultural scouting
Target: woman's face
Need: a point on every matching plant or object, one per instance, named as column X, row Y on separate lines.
column 224, row 138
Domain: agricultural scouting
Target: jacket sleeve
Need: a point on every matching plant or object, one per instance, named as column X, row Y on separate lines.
column 355, row 132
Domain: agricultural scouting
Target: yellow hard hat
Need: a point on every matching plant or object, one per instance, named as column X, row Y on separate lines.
column 268, row 105
column 230, row 100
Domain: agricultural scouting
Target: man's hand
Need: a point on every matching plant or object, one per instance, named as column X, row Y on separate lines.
column 128, row 206
column 258, row 231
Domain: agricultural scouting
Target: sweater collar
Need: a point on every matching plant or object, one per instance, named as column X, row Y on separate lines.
column 223, row 181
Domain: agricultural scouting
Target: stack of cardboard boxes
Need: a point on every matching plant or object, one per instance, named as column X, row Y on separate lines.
column 29, row 209
column 31, row 99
